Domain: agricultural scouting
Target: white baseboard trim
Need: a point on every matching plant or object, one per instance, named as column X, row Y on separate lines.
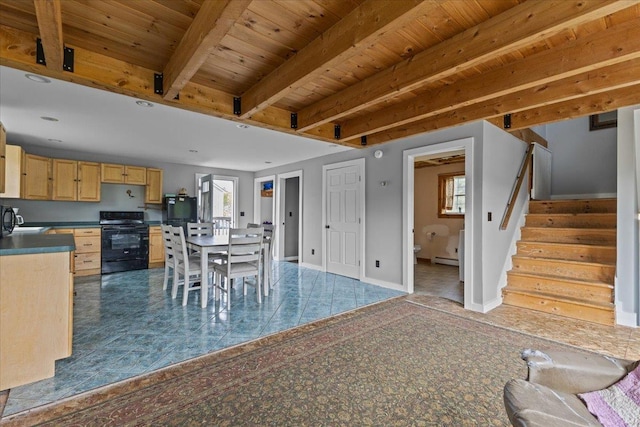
column 483, row 308
column 383, row 284
column 624, row 318
column 311, row 266
column 584, row 196
column 445, row 261
column 290, row 258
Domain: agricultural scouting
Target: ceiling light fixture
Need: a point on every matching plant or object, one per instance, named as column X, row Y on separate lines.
column 49, row 119
column 241, row 126
column 268, row 162
column 144, row 103
column 37, row 79
column 193, row 151
column 54, row 140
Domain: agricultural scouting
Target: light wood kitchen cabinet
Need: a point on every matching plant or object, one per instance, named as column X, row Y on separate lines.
column 156, row 247
column 3, row 158
column 36, row 177
column 88, row 258
column 13, row 172
column 88, row 182
column 74, row 180
column 153, row 190
column 123, row 174
column 88, row 255
column 36, row 316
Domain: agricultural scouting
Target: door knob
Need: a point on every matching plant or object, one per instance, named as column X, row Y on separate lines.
column 326, row 226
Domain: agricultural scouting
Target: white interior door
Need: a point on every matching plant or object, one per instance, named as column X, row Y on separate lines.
column 343, row 220
column 205, row 198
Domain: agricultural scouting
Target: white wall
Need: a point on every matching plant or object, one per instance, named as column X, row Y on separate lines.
column 501, row 158
column 583, row 162
column 627, row 274
column 445, row 243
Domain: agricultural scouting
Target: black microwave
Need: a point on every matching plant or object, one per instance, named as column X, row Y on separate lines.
column 7, row 220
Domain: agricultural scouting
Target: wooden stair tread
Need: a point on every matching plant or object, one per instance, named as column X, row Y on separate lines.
column 569, row 245
column 561, row 278
column 555, row 229
column 565, row 261
column 565, row 299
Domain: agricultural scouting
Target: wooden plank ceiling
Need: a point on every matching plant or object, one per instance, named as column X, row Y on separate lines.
column 379, row 70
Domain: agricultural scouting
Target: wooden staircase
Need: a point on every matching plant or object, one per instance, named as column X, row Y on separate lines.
column 566, row 259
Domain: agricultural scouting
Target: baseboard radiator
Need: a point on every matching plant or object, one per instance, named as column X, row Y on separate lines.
column 446, row 261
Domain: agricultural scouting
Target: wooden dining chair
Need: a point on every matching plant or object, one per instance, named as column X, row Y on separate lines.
column 221, row 224
column 268, row 233
column 186, row 267
column 243, row 259
column 168, row 254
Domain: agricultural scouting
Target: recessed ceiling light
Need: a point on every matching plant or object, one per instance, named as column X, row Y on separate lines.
column 37, row 79
column 49, row 119
column 54, row 140
column 241, row 126
column 193, row 151
column 144, row 103
column 268, row 163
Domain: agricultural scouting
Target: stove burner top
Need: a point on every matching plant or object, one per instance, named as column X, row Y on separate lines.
column 121, row 218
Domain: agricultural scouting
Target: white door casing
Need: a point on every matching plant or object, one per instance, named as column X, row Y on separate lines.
column 342, row 214
column 280, row 216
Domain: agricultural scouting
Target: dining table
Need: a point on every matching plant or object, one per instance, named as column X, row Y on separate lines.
column 219, row 243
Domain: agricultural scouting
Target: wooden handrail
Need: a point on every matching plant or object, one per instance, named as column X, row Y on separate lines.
column 516, row 189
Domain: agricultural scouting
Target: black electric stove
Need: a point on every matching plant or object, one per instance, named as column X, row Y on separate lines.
column 125, row 241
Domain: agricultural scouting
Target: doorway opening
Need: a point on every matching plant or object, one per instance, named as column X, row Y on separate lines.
column 288, row 205
column 263, row 205
column 439, row 211
column 438, row 236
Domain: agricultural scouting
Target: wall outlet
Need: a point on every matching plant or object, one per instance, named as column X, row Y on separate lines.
column 377, row 263
column 489, row 215
column 241, row 213
column 313, row 251
column 456, row 250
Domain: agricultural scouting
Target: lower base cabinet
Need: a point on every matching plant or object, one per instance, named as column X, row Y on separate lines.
column 156, row 247
column 88, row 256
column 36, row 315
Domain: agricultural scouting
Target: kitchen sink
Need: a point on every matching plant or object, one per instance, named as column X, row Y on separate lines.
column 29, row 230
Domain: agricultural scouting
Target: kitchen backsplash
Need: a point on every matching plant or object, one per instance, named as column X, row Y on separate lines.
column 114, row 197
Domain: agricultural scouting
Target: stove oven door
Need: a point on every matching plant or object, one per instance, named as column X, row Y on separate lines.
column 124, row 247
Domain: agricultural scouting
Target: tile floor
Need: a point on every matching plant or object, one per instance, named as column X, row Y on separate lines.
column 126, row 325
column 438, row 280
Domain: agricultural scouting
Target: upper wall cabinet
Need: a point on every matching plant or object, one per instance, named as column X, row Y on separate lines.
column 36, row 177
column 153, row 190
column 3, row 160
column 121, row 174
column 74, row 180
column 13, row 172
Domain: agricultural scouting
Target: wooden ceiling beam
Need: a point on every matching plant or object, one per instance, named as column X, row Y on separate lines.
column 593, row 104
column 17, row 50
column 578, row 107
column 620, row 77
column 211, row 24
column 521, row 25
column 608, row 47
column 358, row 31
column 49, row 15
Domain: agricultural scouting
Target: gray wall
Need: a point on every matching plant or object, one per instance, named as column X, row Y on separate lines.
column 383, row 205
column 583, row 162
column 114, row 196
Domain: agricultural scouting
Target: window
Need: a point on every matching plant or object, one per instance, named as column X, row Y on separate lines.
column 451, row 191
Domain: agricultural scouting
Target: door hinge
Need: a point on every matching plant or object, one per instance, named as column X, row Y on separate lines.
column 358, row 263
column 359, row 220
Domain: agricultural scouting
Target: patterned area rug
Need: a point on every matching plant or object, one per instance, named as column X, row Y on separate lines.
column 394, row 363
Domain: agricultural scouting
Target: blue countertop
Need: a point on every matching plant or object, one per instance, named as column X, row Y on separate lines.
column 20, row 244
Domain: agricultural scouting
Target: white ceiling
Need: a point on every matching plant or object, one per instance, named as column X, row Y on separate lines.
column 96, row 121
